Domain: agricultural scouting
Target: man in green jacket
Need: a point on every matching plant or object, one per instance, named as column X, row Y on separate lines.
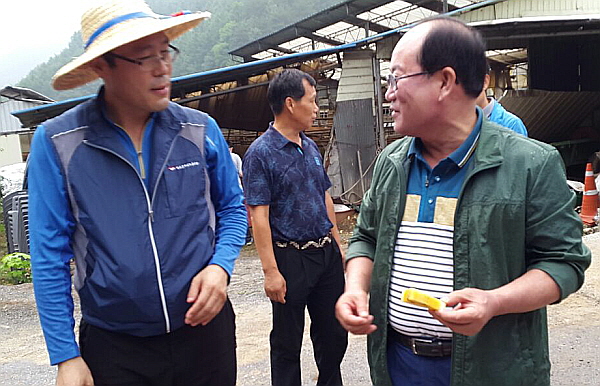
column 464, row 210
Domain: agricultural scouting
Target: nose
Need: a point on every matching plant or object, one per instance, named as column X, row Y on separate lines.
column 390, row 94
column 162, row 67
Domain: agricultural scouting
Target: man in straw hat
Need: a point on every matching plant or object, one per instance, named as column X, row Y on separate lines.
column 143, row 195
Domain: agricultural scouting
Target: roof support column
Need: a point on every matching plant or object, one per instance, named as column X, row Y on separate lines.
column 378, row 104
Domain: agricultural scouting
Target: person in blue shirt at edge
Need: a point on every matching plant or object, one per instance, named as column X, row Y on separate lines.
column 143, row 195
column 495, row 112
column 465, row 211
column 295, row 233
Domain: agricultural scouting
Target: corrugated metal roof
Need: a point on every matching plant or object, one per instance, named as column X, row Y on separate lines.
column 8, row 123
column 551, row 116
column 307, row 27
column 345, row 22
column 515, row 32
column 534, row 8
column 21, row 93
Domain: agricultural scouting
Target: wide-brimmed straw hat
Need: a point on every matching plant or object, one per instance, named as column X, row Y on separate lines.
column 116, row 23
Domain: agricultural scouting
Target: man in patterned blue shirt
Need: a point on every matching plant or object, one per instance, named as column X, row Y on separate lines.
column 295, row 233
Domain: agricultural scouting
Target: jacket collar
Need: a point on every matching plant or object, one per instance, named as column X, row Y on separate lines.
column 487, row 154
column 489, row 150
column 100, row 133
column 463, row 153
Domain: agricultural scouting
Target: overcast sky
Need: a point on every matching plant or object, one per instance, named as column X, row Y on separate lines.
column 32, row 31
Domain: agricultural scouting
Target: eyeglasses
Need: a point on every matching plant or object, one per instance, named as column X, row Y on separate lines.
column 148, row 63
column 392, row 80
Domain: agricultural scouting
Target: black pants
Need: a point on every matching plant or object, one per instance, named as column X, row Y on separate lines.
column 188, row 356
column 314, row 280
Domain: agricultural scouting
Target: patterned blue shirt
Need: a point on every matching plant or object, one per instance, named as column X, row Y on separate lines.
column 292, row 181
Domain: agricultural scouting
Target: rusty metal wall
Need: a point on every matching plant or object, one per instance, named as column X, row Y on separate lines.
column 554, row 116
column 244, row 109
column 354, row 127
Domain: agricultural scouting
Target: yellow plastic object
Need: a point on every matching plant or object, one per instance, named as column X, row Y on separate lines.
column 418, row 298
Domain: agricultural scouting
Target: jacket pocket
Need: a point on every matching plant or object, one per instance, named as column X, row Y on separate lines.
column 185, row 182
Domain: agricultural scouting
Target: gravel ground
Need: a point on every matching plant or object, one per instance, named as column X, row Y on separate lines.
column 574, row 334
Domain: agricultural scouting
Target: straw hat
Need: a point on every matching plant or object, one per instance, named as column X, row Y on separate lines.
column 116, row 23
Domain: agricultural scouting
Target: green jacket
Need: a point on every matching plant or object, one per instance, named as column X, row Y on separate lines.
column 514, row 213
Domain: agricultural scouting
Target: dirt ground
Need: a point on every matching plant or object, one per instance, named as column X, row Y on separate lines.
column 574, row 334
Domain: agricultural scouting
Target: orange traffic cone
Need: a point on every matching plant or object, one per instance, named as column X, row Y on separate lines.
column 589, row 203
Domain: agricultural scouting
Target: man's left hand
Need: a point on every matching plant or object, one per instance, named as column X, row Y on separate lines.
column 472, row 309
column 208, row 293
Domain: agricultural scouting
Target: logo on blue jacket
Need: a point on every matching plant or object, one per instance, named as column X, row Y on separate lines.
column 183, row 166
column 317, row 161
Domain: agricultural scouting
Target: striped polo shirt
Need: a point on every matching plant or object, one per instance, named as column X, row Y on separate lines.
column 423, row 254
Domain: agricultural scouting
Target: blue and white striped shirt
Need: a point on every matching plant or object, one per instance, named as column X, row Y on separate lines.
column 423, row 255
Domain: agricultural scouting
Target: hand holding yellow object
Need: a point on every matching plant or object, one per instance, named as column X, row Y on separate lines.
column 418, row 298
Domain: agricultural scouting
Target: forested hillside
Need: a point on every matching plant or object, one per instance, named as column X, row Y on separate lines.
column 233, row 24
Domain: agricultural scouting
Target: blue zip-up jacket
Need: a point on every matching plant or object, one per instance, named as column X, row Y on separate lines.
column 137, row 244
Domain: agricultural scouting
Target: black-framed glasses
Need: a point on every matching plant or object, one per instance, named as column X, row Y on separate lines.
column 392, row 80
column 148, row 63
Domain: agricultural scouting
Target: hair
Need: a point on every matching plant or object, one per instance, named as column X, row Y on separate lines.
column 451, row 43
column 287, row 83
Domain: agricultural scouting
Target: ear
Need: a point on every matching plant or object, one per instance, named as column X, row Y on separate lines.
column 99, row 66
column 289, row 104
column 486, row 82
column 448, row 82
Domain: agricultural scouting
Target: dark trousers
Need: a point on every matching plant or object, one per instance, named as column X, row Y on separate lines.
column 314, row 280
column 188, row 356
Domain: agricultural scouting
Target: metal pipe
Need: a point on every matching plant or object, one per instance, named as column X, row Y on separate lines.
column 378, row 104
column 362, row 183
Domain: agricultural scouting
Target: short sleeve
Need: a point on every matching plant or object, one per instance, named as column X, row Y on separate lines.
column 256, row 180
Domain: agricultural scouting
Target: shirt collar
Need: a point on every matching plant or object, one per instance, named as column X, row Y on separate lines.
column 278, row 139
column 461, row 155
column 487, row 110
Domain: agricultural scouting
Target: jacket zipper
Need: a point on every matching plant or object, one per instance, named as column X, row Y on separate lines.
column 162, row 169
column 142, row 166
column 150, row 232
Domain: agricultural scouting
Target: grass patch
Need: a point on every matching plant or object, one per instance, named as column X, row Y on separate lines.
column 15, row 269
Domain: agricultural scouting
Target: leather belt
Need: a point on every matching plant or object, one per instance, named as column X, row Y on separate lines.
column 319, row 243
column 422, row 346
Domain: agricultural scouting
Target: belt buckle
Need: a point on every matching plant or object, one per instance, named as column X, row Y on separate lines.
column 414, row 341
column 436, row 351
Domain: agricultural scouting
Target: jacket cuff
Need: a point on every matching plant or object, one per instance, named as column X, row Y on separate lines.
column 360, row 249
